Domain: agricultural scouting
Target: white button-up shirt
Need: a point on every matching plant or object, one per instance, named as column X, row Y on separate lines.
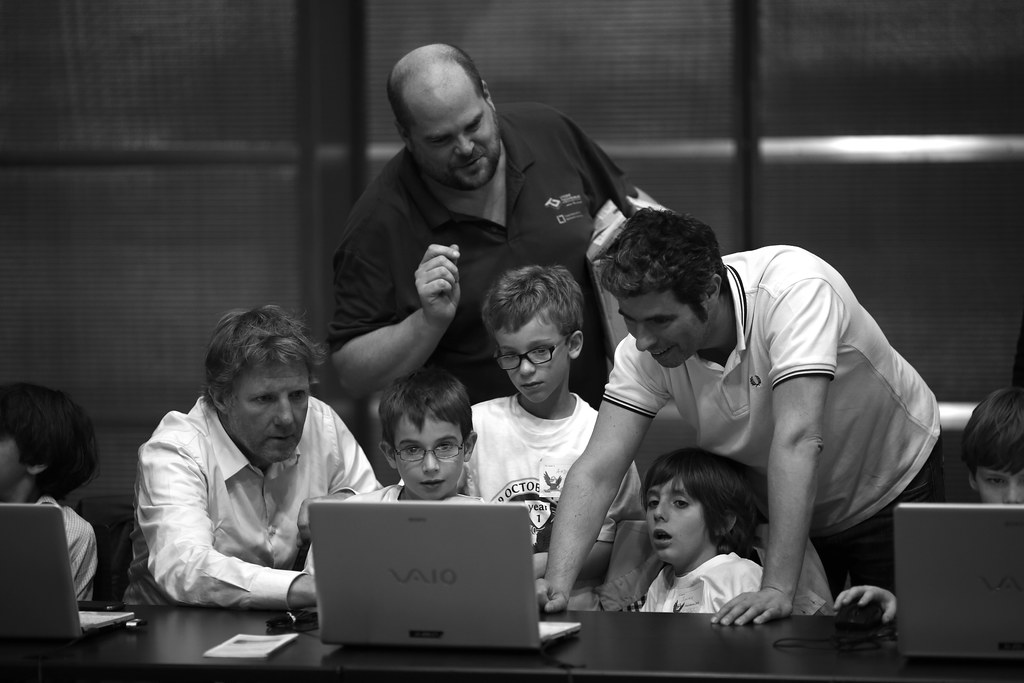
column 212, row 529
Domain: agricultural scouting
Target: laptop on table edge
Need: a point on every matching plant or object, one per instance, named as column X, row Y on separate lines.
column 35, row 579
column 427, row 574
column 960, row 580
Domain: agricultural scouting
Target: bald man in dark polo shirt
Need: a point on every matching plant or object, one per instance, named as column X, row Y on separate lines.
column 473, row 193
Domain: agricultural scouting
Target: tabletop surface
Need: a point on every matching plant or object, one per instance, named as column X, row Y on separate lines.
column 611, row 645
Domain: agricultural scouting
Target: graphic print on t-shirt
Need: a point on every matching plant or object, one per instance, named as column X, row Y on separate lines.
column 689, row 599
column 542, row 510
column 552, row 475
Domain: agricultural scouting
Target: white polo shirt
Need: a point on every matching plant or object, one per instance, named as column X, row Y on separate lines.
column 795, row 315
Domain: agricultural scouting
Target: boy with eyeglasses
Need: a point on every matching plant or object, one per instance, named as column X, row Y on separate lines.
column 528, row 441
column 426, row 434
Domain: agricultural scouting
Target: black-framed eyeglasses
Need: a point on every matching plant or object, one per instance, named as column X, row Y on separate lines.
column 444, row 451
column 537, row 356
column 295, row 620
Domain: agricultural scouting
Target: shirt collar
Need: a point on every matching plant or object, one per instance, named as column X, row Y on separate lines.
column 518, row 157
column 739, row 301
column 520, row 154
column 230, row 459
column 434, row 212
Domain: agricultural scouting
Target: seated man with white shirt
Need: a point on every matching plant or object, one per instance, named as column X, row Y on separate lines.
column 221, row 493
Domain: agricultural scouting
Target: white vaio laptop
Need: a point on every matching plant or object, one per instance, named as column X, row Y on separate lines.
column 36, row 587
column 427, row 574
column 960, row 580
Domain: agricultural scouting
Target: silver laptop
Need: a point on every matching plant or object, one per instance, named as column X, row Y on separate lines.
column 960, row 580
column 427, row 574
column 35, row 578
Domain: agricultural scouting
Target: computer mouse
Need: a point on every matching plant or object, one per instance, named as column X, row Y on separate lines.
column 854, row 617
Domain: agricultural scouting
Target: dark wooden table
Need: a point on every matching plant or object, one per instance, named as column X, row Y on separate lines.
column 610, row 647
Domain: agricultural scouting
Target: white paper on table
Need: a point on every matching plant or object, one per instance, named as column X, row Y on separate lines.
column 244, row 645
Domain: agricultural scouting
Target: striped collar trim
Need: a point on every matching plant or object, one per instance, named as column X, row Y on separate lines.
column 739, row 299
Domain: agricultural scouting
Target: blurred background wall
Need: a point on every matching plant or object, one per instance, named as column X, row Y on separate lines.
column 163, row 162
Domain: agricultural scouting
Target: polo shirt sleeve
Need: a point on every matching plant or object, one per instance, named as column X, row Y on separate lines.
column 633, row 384
column 803, row 330
column 364, row 298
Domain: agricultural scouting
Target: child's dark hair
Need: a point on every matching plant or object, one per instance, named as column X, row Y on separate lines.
column 994, row 435
column 720, row 486
column 49, row 429
column 427, row 392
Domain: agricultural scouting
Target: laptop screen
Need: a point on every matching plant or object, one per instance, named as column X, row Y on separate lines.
column 430, row 574
column 35, row 577
column 960, row 580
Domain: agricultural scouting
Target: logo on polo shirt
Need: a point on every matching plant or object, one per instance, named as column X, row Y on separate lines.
column 755, row 381
column 564, row 204
column 565, row 200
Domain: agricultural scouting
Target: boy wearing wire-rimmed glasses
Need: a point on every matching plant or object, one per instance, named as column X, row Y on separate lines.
column 528, row 441
column 426, row 434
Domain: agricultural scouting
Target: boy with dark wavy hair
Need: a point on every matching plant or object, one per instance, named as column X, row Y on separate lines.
column 701, row 519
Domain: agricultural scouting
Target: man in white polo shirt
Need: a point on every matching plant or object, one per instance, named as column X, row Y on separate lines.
column 773, row 362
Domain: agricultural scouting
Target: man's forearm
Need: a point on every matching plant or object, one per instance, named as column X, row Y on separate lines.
column 796, row 446
column 367, row 363
column 581, row 510
column 590, row 486
column 302, row 592
column 791, row 492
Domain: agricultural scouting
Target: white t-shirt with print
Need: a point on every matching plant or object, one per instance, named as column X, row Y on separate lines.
column 705, row 589
column 523, row 458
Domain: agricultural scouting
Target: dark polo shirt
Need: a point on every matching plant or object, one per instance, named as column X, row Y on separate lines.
column 557, row 179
